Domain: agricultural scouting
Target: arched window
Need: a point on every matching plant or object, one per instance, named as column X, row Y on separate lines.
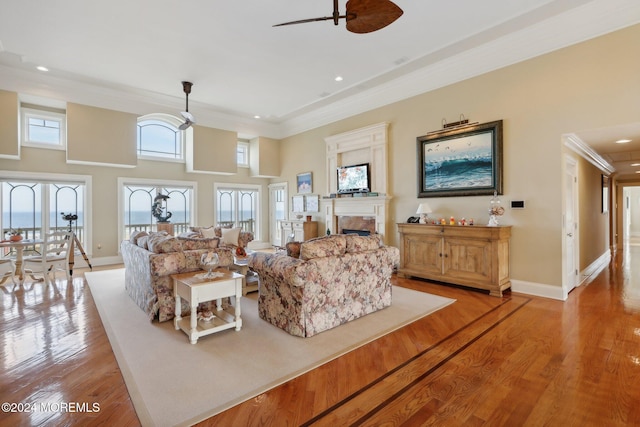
column 159, row 137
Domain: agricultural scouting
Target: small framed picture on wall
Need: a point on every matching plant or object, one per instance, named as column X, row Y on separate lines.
column 304, row 183
column 311, row 203
column 297, row 204
column 605, row 193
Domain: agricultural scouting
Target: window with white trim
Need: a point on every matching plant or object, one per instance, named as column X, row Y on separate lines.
column 238, row 205
column 159, row 138
column 43, row 128
column 36, row 204
column 242, row 154
column 138, row 197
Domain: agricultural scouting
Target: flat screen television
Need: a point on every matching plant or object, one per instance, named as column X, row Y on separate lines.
column 354, row 179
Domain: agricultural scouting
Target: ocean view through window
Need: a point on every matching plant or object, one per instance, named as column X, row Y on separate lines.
column 138, row 200
column 36, row 207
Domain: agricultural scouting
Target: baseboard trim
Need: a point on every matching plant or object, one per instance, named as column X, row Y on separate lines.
column 595, row 267
column 79, row 261
column 558, row 292
column 538, row 289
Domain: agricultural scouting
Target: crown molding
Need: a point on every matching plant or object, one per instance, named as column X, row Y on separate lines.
column 578, row 146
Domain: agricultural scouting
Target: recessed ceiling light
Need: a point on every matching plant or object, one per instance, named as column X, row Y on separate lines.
column 338, row 78
column 257, row 116
column 41, row 68
column 623, row 141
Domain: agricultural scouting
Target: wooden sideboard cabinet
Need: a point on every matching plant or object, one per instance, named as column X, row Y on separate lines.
column 301, row 230
column 474, row 256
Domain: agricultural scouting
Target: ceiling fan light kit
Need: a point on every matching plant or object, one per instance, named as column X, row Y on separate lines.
column 188, row 117
column 362, row 16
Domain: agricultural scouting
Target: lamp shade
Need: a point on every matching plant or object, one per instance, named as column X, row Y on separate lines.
column 424, row 208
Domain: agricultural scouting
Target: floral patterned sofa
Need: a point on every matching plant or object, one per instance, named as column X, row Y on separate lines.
column 333, row 280
column 151, row 258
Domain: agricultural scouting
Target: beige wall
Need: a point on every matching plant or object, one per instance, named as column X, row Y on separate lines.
column 265, row 157
column 212, row 150
column 593, row 224
column 591, row 85
column 9, row 145
column 98, row 135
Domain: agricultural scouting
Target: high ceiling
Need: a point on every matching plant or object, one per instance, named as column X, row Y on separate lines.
column 132, row 55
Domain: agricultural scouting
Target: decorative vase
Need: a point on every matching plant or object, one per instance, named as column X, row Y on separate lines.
column 495, row 211
column 210, row 261
column 15, row 237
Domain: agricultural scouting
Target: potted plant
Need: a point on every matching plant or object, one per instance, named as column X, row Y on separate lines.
column 15, row 234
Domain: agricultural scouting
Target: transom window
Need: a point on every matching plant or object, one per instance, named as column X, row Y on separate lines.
column 43, row 128
column 159, row 138
column 243, row 154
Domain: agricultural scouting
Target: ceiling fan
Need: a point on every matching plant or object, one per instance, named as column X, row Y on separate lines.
column 363, row 16
column 188, row 117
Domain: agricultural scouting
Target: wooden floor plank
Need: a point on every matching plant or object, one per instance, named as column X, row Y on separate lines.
column 517, row 360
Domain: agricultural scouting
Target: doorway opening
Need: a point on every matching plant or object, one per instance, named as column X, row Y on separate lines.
column 630, row 211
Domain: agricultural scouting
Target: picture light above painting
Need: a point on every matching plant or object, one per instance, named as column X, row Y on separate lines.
column 463, row 161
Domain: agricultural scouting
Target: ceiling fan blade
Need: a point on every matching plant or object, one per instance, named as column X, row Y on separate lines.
column 185, row 125
column 366, row 16
column 335, row 16
column 304, row 21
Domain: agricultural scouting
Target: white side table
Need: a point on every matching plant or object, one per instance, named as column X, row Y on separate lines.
column 250, row 281
column 195, row 289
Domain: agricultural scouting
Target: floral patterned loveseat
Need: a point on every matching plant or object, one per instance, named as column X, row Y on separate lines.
column 151, row 258
column 334, row 280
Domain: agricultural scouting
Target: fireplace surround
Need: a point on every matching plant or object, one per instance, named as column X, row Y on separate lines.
column 364, row 145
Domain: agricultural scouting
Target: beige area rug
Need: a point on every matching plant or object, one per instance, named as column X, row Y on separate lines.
column 172, row 382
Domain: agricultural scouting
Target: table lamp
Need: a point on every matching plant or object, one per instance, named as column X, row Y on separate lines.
column 424, row 210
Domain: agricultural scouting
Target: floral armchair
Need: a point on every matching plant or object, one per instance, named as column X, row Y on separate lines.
column 334, row 280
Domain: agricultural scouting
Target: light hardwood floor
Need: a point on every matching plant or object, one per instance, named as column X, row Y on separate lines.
column 511, row 361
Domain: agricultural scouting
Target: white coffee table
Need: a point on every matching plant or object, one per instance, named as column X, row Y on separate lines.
column 195, row 289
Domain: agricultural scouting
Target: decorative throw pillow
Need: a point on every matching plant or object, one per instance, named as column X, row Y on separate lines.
column 136, row 234
column 356, row 243
column 208, row 233
column 230, row 236
column 191, row 243
column 334, row 245
column 143, row 241
column 293, row 249
column 218, row 229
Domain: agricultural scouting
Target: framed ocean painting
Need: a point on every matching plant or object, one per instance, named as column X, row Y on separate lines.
column 463, row 161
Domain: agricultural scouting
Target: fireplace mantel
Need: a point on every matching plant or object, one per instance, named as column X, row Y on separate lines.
column 370, row 207
column 364, row 145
